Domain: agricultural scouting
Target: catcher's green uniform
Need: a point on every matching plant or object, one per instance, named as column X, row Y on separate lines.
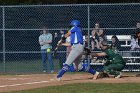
column 114, row 62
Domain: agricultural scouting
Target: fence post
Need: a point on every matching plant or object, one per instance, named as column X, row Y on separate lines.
column 3, row 26
column 88, row 34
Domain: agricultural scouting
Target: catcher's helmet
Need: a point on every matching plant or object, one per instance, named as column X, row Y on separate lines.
column 75, row 23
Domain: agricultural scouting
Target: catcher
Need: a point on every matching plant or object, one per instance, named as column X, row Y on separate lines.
column 114, row 62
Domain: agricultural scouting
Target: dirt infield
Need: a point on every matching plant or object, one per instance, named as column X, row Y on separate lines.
column 23, row 82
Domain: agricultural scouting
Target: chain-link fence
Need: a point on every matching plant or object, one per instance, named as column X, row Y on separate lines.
column 20, row 28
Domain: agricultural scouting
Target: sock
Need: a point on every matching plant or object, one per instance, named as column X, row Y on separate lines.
column 91, row 71
column 63, row 70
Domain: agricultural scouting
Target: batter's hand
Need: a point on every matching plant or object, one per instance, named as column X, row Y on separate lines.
column 59, row 43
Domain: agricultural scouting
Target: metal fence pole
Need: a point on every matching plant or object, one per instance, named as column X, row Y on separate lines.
column 3, row 26
column 88, row 34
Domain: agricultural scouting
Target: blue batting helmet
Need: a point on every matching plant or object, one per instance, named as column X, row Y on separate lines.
column 75, row 23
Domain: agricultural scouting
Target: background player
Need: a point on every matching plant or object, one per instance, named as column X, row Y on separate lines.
column 76, row 40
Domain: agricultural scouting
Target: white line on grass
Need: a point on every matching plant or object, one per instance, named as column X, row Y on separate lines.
column 29, row 83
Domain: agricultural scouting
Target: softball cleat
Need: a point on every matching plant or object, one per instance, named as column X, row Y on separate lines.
column 96, row 75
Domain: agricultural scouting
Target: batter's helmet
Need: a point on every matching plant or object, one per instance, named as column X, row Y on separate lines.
column 75, row 23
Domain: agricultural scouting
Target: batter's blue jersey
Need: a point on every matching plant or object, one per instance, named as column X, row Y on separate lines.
column 76, row 35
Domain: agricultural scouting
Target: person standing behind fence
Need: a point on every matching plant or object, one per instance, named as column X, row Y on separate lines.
column 99, row 36
column 115, row 44
column 92, row 39
column 45, row 40
column 62, row 54
column 99, row 31
column 99, row 41
column 85, row 43
column 134, row 45
column 137, row 32
column 94, row 43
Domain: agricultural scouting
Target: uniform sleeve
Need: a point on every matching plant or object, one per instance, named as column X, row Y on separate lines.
column 72, row 30
column 108, row 52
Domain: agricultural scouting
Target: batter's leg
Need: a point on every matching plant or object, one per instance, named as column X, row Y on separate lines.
column 75, row 52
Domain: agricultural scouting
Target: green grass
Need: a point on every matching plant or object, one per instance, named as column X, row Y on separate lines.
column 88, row 88
column 25, row 66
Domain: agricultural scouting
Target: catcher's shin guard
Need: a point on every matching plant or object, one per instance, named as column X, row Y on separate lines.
column 63, row 70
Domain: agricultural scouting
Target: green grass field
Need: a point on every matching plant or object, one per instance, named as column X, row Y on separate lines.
column 25, row 66
column 88, row 88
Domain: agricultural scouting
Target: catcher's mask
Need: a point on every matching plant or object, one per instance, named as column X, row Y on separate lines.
column 104, row 45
